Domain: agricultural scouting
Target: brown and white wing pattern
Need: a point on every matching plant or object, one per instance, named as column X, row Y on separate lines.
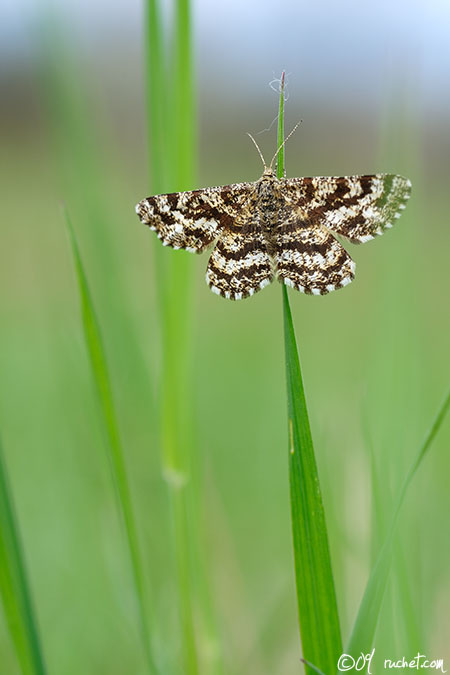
column 194, row 220
column 239, row 264
column 284, row 228
column 356, row 207
column 311, row 260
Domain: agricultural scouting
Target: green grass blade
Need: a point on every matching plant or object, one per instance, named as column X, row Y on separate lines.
column 175, row 87
column 206, row 640
column 156, row 102
column 280, row 131
column 180, row 458
column 366, row 621
column 184, row 102
column 115, row 450
column 317, row 609
column 14, row 586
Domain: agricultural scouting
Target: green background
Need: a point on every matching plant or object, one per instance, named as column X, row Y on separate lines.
column 374, row 357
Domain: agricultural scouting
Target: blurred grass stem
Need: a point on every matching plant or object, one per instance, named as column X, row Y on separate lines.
column 172, row 148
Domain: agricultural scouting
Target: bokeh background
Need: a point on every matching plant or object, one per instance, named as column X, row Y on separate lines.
column 370, row 83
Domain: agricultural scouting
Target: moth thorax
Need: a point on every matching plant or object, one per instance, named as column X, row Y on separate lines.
column 266, row 192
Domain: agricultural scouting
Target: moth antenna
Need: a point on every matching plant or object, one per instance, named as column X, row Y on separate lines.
column 283, row 143
column 259, row 151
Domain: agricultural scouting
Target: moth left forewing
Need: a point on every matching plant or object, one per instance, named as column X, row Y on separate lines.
column 356, row 207
column 194, row 220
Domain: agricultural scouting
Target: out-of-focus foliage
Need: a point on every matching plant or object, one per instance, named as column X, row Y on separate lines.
column 374, row 358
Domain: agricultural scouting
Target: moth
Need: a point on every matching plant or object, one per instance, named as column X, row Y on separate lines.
column 278, row 228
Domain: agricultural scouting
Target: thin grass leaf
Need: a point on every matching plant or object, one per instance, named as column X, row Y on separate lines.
column 173, row 291
column 366, row 621
column 184, row 138
column 156, row 103
column 174, row 87
column 14, row 586
column 313, row 667
column 183, row 153
column 103, row 389
column 316, row 597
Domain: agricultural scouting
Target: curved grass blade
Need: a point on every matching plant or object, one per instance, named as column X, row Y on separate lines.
column 366, row 621
column 316, row 597
column 14, row 586
column 103, row 389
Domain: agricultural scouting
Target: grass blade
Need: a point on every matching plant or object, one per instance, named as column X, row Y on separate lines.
column 316, row 597
column 156, row 102
column 179, row 331
column 109, row 419
column 184, row 121
column 366, row 621
column 173, row 88
column 14, row 586
column 313, row 667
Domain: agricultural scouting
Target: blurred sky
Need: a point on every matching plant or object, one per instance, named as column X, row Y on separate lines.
column 347, row 48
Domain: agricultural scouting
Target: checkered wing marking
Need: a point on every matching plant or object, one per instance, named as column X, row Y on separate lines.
column 239, row 264
column 311, row 260
column 356, row 207
column 194, row 220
